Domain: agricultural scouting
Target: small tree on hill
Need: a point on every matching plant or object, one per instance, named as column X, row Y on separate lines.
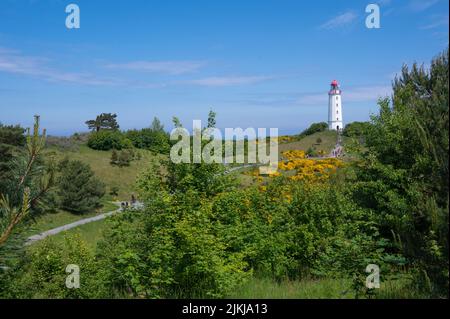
column 105, row 121
column 79, row 190
column 124, row 158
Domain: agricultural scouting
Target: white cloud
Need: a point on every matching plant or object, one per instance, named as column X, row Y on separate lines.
column 437, row 22
column 422, row 5
column 339, row 21
column 228, row 81
column 167, row 67
column 13, row 62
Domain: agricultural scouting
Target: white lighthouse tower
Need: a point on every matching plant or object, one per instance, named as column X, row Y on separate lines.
column 335, row 107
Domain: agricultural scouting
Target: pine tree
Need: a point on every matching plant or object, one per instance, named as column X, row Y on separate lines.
column 105, row 121
column 29, row 183
column 79, row 190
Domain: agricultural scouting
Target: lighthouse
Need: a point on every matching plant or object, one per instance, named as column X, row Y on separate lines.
column 335, row 107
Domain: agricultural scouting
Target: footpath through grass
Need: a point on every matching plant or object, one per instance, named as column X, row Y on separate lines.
column 90, row 233
column 52, row 220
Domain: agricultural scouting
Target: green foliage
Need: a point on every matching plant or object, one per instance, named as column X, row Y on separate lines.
column 154, row 140
column 122, row 158
column 28, row 180
column 197, row 244
column 157, row 126
column 114, row 191
column 104, row 121
column 404, row 175
column 211, row 119
column 12, row 139
column 106, row 140
column 311, row 152
column 42, row 273
column 314, row 128
column 356, row 129
column 78, row 189
column 114, row 157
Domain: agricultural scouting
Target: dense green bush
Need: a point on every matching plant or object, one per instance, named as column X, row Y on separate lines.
column 42, row 272
column 153, row 138
column 155, row 141
column 105, row 140
column 79, row 190
column 356, row 129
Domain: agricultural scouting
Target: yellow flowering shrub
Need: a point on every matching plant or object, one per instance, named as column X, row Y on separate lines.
column 294, row 154
column 308, row 169
column 285, row 139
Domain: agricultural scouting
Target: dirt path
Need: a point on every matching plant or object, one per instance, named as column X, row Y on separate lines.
column 54, row 231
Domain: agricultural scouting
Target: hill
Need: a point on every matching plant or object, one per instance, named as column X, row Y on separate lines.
column 328, row 141
column 113, row 176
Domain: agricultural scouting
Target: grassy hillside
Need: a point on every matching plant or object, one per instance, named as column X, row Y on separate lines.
column 122, row 177
column 328, row 138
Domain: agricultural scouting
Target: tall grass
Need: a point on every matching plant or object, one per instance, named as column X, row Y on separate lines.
column 326, row 288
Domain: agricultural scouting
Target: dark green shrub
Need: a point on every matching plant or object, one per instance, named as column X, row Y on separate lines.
column 78, row 189
column 42, row 272
column 107, row 139
column 356, row 129
column 155, row 141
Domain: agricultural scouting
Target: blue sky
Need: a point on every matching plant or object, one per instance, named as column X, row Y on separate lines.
column 257, row 63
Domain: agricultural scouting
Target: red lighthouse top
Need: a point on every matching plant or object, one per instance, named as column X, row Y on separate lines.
column 334, row 88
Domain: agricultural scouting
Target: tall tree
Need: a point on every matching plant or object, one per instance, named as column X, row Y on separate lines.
column 157, row 126
column 211, row 119
column 405, row 177
column 105, row 121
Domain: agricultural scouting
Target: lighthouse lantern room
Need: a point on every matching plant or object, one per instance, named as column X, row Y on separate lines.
column 335, row 107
